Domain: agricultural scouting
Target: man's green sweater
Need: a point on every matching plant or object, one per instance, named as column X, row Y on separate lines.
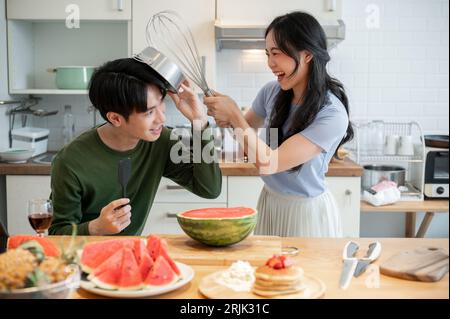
column 85, row 179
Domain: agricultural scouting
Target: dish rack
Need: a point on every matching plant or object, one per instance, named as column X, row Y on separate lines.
column 361, row 151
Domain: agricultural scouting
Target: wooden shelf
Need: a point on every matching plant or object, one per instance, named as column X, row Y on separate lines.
column 435, row 206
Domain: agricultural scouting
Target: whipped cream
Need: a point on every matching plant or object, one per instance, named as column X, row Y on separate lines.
column 239, row 277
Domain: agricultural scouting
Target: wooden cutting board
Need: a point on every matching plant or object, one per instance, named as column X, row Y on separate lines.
column 254, row 249
column 421, row 264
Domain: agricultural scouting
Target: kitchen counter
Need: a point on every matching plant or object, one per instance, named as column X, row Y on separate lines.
column 346, row 168
column 322, row 258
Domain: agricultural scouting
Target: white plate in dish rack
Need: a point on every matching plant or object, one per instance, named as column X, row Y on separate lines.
column 187, row 273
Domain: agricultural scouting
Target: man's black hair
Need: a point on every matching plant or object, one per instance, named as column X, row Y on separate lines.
column 121, row 85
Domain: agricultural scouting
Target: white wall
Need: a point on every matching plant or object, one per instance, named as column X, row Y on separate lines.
column 398, row 72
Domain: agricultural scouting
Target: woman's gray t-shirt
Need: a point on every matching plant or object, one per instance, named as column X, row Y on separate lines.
column 326, row 131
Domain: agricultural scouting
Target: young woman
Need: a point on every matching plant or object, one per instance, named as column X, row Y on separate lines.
column 310, row 113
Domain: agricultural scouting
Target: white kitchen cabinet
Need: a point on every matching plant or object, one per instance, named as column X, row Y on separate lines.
column 170, row 192
column 19, row 190
column 245, row 190
column 262, row 12
column 61, row 9
column 346, row 191
column 199, row 16
column 39, row 40
column 162, row 218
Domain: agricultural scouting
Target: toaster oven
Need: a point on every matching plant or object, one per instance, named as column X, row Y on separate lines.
column 436, row 173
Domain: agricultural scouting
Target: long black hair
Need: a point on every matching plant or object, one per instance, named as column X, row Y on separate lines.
column 295, row 32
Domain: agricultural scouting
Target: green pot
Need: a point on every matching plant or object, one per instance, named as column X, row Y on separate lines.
column 73, row 77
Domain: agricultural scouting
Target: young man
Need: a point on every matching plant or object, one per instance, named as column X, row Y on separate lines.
column 85, row 186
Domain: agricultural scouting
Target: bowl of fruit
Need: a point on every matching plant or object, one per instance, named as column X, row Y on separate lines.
column 33, row 269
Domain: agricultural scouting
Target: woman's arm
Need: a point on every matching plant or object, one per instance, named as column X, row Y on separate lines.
column 293, row 152
column 254, row 120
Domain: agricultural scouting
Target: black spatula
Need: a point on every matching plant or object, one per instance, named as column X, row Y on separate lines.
column 124, row 174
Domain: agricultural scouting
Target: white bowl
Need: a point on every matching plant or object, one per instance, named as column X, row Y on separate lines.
column 16, row 155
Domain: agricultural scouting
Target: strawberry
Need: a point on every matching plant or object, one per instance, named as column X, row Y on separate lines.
column 279, row 262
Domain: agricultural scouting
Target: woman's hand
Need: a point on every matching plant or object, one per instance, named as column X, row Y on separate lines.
column 224, row 110
column 189, row 104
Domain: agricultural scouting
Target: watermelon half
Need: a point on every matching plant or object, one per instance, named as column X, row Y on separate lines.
column 218, row 226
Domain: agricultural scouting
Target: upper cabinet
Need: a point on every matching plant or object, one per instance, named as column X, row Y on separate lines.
column 262, row 12
column 199, row 16
column 46, row 34
column 60, row 9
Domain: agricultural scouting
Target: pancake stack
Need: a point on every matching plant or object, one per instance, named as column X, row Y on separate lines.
column 278, row 277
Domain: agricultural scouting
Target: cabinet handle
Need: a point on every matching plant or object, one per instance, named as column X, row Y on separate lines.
column 171, row 215
column 174, row 187
column 119, row 5
column 331, row 5
column 348, row 192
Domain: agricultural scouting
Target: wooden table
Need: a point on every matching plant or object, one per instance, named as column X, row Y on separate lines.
column 322, row 258
column 430, row 207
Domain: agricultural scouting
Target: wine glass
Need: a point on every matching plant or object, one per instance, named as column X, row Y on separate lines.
column 40, row 214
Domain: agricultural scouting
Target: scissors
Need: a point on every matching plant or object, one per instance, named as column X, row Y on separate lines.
column 353, row 266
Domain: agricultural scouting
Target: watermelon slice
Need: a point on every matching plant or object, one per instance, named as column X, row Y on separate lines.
column 143, row 258
column 130, row 277
column 161, row 274
column 97, row 252
column 107, row 274
column 158, row 247
column 50, row 249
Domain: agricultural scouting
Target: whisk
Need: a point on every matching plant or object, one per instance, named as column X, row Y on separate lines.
column 169, row 33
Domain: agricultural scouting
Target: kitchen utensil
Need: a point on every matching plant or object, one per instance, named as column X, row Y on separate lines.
column 427, row 264
column 372, row 254
column 436, row 141
column 169, row 73
column 406, row 146
column 390, row 148
column 73, row 77
column 373, row 174
column 124, row 174
column 349, row 264
column 314, row 289
column 168, row 32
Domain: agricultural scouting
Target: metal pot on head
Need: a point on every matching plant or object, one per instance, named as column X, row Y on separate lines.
column 374, row 174
column 169, row 73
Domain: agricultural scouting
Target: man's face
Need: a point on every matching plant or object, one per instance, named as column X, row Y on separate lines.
column 148, row 125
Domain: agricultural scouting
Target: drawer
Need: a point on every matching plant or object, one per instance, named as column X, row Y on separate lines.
column 162, row 218
column 170, row 192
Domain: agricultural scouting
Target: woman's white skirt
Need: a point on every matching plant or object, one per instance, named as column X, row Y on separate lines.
column 295, row 216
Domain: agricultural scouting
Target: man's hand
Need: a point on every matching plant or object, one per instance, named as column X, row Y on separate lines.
column 114, row 218
column 189, row 104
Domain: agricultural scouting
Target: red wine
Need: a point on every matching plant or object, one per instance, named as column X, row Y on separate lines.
column 40, row 222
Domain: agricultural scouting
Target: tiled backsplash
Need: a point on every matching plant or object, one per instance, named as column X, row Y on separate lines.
column 399, row 71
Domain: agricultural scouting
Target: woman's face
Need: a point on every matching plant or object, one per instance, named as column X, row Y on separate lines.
column 283, row 65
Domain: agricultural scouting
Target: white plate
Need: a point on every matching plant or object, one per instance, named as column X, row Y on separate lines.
column 187, row 273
